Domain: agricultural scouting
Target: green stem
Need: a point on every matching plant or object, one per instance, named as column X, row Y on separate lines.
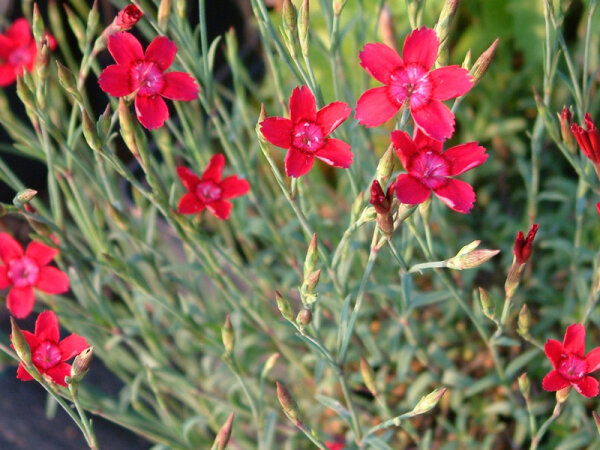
column 535, row 442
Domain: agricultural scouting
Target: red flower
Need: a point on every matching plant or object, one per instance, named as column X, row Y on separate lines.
column 18, row 51
column 144, row 75
column 305, row 133
column 24, row 271
column 210, row 191
column 570, row 364
column 128, row 17
column 429, row 169
column 334, row 445
column 47, row 353
column 409, row 79
column 588, row 139
column 523, row 245
column 382, row 202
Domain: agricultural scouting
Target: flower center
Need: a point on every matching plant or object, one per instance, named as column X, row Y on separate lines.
column 148, row 77
column 411, row 82
column 19, row 56
column 208, row 191
column 572, row 367
column 308, row 136
column 23, row 272
column 431, row 168
column 46, row 355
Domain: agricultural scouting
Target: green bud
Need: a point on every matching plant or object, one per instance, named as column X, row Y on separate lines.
column 312, row 257
column 487, row 304
column 127, row 130
column 228, row 336
column 428, row 402
column 181, row 9
column 105, row 121
column 469, row 258
column 524, row 385
column 269, row 364
column 164, row 14
column 37, row 25
column 304, row 317
column 288, row 404
column 466, row 64
column 42, row 61
column 20, row 343
column 284, row 307
column 563, row 394
column 68, row 82
column 92, row 21
column 290, row 15
column 89, row 132
column 524, row 321
column 81, row 364
column 566, row 120
column 483, row 62
column 76, row 25
column 224, row 434
column 25, row 94
column 385, row 167
column 368, row 376
column 513, row 279
column 442, row 29
column 23, row 197
column 304, row 26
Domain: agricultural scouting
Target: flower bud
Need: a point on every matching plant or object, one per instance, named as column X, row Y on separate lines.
column 224, row 434
column 284, row 307
column 386, row 27
column 563, row 394
column 312, row 257
column 42, row 61
column 385, row 167
column 269, row 364
column 428, row 402
column 566, row 121
column 483, row 62
column 524, row 385
column 68, row 82
column 20, row 343
column 105, row 121
column 127, row 130
column 23, row 197
column 81, row 364
column 90, row 133
column 290, row 15
column 379, row 199
column 523, row 245
column 288, row 403
column 524, row 321
column 310, row 283
column 304, row 317
column 37, row 25
column 368, row 376
column 487, row 304
column 228, row 336
column 469, row 258
column 164, row 13
column 466, row 64
column 303, row 28
column 127, row 18
column 442, row 29
column 25, row 94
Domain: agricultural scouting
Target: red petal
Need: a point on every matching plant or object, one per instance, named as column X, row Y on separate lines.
column 421, row 47
column 9, row 248
column 404, row 146
column 593, row 360
column 31, row 339
column 40, row 253
column 588, row 387
column 457, row 195
column 374, row 107
column 220, row 208
column 188, row 178
column 278, row 131
column 380, row 61
column 411, row 191
column 4, row 281
column 424, row 142
column 59, row 372
column 52, row 280
column 554, row 382
column 336, row 153
column 6, row 46
column 302, row 105
column 8, row 75
column 20, row 301
column 234, row 187
column 20, row 32
column 298, row 163
column 46, row 327
column 151, row 111
column 464, row 157
column 180, row 86
column 435, row 119
column 71, row 346
column 190, row 204
column 22, row 374
column 115, row 81
column 450, row 82
column 161, row 51
column 125, row 48
column 331, row 116
column 214, row 169
column 554, row 350
column 574, row 342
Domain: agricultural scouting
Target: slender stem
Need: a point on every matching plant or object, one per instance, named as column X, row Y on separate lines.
column 89, row 435
column 535, row 442
column 350, row 404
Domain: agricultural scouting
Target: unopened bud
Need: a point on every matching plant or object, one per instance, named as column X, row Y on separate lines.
column 68, row 82
column 524, row 385
column 386, row 27
column 284, row 307
column 20, row 343
column 596, row 420
column 563, row 394
column 513, row 279
column 105, row 121
column 466, row 64
column 76, row 26
column 42, row 61
column 304, row 26
column 483, row 62
column 469, row 258
column 127, row 130
column 25, row 94
column 304, row 317
column 164, row 13
column 368, row 376
column 92, row 21
column 224, row 434
column 228, row 336
column 312, row 257
column 37, row 24
column 288, row 403
column 385, row 167
column 487, row 304
column 23, row 197
column 428, row 402
column 442, row 29
column 90, row 133
column 290, row 15
column 181, row 9
column 269, row 364
column 81, row 364
column 524, row 321
column 128, row 17
column 523, row 245
column 566, row 121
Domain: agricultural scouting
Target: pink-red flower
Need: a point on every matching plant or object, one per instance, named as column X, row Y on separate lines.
column 23, row 271
column 409, row 79
column 128, row 17
column 143, row 74
column 305, row 133
column 588, row 139
column 570, row 363
column 48, row 354
column 381, row 201
column 18, row 51
column 210, row 191
column 430, row 169
column 523, row 245
column 334, row 445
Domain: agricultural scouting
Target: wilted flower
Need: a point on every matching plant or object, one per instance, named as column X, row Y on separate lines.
column 523, row 245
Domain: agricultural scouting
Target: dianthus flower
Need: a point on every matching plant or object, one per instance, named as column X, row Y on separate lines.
column 210, row 191
column 18, row 51
column 143, row 74
column 334, row 445
column 123, row 21
column 409, row 79
column 571, row 366
column 429, row 169
column 523, row 245
column 305, row 133
column 22, row 271
column 588, row 140
column 47, row 353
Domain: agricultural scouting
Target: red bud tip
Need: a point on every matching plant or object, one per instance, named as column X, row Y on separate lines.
column 523, row 245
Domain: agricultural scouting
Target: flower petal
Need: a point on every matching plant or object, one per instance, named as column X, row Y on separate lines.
column 457, row 195
column 465, row 157
column 411, row 191
column 234, row 187
column 31, row 339
column 421, row 47
column 4, row 281
column 298, row 163
column 554, row 382
column 404, row 146
column 20, row 32
column 450, row 82
column 214, row 169
column 190, row 204
column 151, row 111
column 435, row 119
column 574, row 341
column 52, row 280
column 593, row 360
column 180, row 86
column 115, row 81
column 46, row 327
column 9, row 248
column 278, row 131
column 125, row 48
column 22, row 374
column 302, row 105
column 6, row 46
column 424, row 142
column 374, row 107
column 331, row 116
column 554, row 350
column 220, row 208
column 588, row 387
column 41, row 253
column 8, row 75
column 188, row 178
column 336, row 153
column 161, row 51
column 72, row 346
column 380, row 61
column 20, row 301
column 59, row 372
